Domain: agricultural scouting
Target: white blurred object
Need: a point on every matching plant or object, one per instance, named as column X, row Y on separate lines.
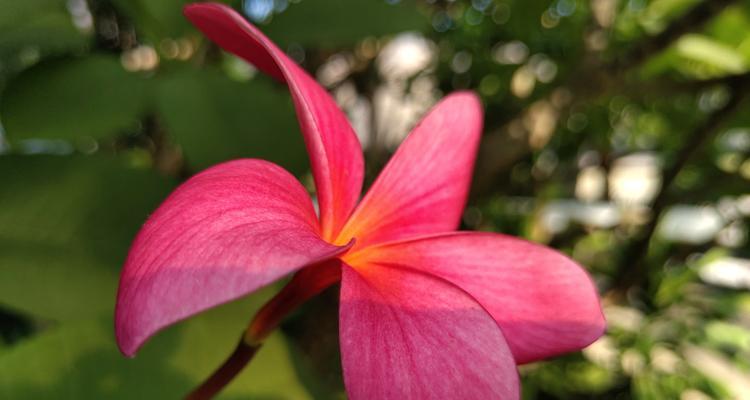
column 692, row 394
column 632, row 362
column 397, row 103
column 664, row 359
column 717, row 367
column 743, row 204
column 604, row 12
column 733, row 235
column 81, row 15
column 625, row 318
column 405, row 56
column 141, row 58
column 691, row 224
column 603, row 352
column 394, row 115
column 635, row 179
column 522, row 82
column 514, row 52
column 358, row 110
column 591, row 183
column 334, row 70
column 557, row 215
column 728, row 272
column 545, row 70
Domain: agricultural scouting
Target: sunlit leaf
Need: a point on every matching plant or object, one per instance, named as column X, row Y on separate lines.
column 717, row 54
column 733, row 336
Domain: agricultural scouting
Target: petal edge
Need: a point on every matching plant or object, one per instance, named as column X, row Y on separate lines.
column 335, row 153
column 423, row 188
column 222, row 234
column 408, row 335
column 546, row 303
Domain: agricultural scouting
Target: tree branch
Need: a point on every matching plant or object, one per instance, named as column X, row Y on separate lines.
column 592, row 79
column 632, row 268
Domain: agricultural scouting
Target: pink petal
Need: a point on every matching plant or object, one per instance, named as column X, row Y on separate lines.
column 545, row 303
column 222, row 234
column 409, row 335
column 423, row 188
column 335, row 153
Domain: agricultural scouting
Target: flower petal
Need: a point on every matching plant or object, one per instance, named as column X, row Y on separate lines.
column 423, row 188
column 222, row 234
column 335, row 153
column 409, row 335
column 545, row 303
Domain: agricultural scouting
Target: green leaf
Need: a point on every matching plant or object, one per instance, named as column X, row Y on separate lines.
column 698, row 57
column 42, row 26
column 81, row 361
column 711, row 52
column 156, row 19
column 331, row 23
column 65, row 226
column 215, row 119
column 72, row 98
column 324, row 23
column 725, row 334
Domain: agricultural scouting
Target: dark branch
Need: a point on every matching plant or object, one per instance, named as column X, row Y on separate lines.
column 632, row 268
column 593, row 78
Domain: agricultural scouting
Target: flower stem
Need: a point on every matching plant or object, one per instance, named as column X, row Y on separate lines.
column 241, row 355
column 304, row 285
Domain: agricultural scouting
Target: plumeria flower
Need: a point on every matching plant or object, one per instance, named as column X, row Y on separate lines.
column 426, row 312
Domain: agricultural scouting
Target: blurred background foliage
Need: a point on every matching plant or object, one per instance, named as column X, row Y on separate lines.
column 616, row 131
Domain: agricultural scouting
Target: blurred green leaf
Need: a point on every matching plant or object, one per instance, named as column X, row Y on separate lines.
column 157, row 19
column 72, row 98
column 697, row 57
column 724, row 334
column 38, row 27
column 215, row 119
column 658, row 13
column 81, row 361
column 324, row 23
column 65, row 227
column 731, row 26
column 331, row 23
column 706, row 50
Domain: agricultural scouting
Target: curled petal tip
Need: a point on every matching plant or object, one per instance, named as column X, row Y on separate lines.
column 335, row 153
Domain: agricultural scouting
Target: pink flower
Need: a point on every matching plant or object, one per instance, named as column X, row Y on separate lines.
column 426, row 312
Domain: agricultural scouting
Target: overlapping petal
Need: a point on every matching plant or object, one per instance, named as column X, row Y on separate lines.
column 423, row 188
column 408, row 335
column 545, row 303
column 225, row 232
column 335, row 153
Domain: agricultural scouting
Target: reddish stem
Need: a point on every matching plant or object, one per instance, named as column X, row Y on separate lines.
column 304, row 285
column 241, row 355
